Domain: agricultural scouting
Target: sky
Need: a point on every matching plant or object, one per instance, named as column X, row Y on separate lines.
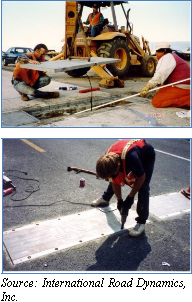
column 27, row 23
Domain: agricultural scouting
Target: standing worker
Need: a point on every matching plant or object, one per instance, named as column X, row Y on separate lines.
column 27, row 81
column 170, row 68
column 130, row 162
column 96, row 20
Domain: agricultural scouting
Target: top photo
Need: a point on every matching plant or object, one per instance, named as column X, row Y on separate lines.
column 96, row 64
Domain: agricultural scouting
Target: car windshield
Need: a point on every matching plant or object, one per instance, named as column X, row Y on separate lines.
column 23, row 50
column 19, row 50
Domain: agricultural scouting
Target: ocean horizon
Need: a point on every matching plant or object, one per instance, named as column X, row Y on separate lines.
column 177, row 45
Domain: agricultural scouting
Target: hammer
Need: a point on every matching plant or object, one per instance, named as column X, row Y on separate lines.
column 78, row 170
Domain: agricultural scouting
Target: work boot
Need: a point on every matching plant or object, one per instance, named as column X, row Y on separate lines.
column 47, row 95
column 187, row 193
column 52, row 95
column 137, row 230
column 99, row 202
column 24, row 97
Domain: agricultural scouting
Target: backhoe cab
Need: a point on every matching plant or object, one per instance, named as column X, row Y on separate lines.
column 112, row 42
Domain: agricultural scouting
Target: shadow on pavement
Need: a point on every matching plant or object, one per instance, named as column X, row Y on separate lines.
column 121, row 253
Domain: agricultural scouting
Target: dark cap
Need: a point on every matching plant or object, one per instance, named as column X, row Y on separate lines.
column 95, row 5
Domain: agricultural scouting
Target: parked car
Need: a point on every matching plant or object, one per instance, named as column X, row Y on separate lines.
column 182, row 55
column 185, row 55
column 10, row 56
column 188, row 51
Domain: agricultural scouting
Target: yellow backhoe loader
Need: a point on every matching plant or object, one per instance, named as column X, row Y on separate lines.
column 112, row 42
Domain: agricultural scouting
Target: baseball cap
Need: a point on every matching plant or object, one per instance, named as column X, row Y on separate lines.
column 162, row 45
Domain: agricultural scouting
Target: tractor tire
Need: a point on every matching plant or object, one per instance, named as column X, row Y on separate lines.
column 117, row 49
column 77, row 73
column 148, row 66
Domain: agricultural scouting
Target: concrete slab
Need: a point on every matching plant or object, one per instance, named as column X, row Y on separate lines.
column 137, row 114
column 167, row 205
column 17, row 118
column 115, row 118
column 65, row 65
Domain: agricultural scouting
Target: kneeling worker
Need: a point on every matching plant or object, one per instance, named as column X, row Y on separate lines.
column 27, row 81
column 130, row 162
column 170, row 69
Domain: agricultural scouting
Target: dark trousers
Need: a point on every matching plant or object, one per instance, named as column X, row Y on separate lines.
column 143, row 194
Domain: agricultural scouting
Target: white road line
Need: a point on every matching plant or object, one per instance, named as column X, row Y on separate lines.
column 172, row 155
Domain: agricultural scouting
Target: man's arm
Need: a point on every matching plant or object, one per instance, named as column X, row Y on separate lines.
column 134, row 164
column 165, row 67
column 117, row 191
column 137, row 185
column 27, row 58
column 101, row 20
column 87, row 21
column 24, row 59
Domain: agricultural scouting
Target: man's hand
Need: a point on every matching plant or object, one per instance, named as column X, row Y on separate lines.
column 126, row 205
column 145, row 90
column 34, row 62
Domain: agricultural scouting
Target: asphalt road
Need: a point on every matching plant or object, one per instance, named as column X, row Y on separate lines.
column 57, row 193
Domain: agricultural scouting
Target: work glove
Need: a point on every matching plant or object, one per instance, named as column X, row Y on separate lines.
column 126, row 205
column 145, row 90
column 119, row 204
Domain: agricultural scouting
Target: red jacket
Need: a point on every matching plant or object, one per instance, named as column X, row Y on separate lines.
column 29, row 76
column 122, row 148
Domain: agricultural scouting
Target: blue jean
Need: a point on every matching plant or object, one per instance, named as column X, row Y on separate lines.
column 23, row 87
column 95, row 30
column 143, row 194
